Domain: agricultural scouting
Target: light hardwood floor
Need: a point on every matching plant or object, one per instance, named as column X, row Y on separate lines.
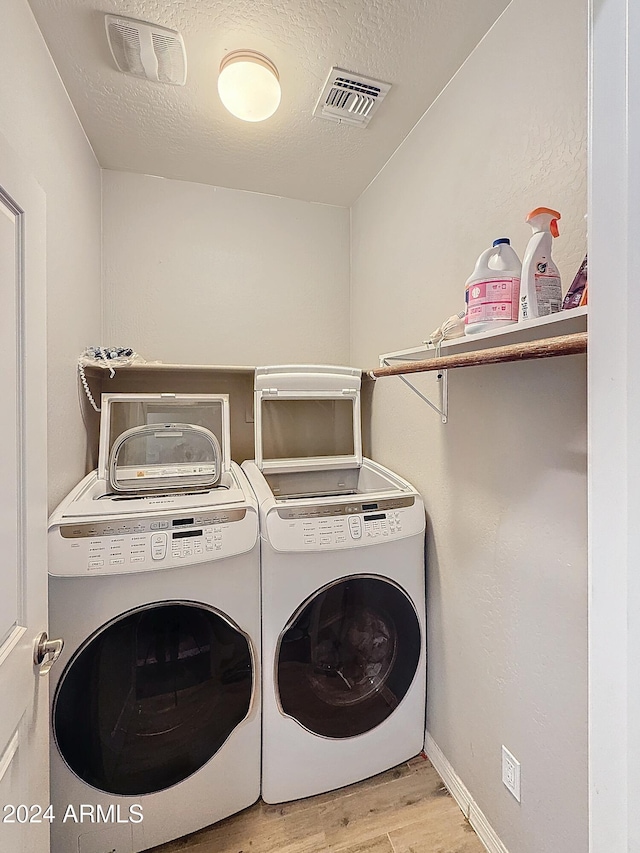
column 405, row 810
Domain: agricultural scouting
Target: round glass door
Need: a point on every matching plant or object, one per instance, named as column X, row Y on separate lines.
column 152, row 697
column 348, row 657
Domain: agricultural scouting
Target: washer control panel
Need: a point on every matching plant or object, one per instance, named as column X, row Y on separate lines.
column 147, row 544
column 309, row 529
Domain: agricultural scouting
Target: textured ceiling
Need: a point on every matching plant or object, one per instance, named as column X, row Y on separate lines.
column 185, row 132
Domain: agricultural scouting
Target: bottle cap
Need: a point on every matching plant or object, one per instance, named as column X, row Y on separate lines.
column 502, row 240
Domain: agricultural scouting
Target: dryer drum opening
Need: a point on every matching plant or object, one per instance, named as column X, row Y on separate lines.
column 152, row 697
column 348, row 657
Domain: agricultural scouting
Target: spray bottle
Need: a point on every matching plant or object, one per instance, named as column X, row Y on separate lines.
column 540, row 291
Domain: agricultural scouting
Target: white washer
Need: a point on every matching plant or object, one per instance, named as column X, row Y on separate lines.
column 156, row 698
column 343, row 597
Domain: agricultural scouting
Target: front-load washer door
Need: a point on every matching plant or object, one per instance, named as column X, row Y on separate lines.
column 152, row 696
column 348, row 656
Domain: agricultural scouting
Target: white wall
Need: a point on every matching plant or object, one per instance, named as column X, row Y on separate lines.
column 40, row 124
column 505, row 481
column 199, row 274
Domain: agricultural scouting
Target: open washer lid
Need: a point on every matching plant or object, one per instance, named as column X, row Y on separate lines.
column 123, row 413
column 307, row 417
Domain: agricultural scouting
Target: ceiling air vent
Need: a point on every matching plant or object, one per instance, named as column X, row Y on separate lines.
column 350, row 98
column 147, row 50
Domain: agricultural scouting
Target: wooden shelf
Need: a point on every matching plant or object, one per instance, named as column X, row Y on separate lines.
column 560, row 324
column 163, row 366
column 546, row 348
column 565, row 335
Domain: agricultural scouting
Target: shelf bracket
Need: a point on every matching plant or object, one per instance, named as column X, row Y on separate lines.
column 443, row 384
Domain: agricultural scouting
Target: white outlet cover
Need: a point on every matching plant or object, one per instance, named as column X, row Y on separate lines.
column 511, row 772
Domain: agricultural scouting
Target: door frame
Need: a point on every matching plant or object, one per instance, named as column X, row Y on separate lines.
column 28, row 689
column 614, row 417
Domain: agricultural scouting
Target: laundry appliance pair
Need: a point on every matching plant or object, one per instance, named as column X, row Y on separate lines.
column 175, row 688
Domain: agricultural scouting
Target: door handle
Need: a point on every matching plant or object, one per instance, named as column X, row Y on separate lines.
column 46, row 652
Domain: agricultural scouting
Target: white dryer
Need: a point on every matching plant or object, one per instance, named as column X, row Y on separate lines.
column 343, row 590
column 156, row 701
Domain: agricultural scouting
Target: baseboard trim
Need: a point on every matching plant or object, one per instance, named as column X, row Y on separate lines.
column 461, row 795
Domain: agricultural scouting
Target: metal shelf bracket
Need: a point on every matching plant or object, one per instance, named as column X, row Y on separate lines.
column 442, row 378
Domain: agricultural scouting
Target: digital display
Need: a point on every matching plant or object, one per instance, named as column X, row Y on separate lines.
column 377, row 517
column 366, row 507
column 182, row 534
column 177, row 522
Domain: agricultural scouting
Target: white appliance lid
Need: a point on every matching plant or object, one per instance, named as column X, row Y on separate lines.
column 122, row 412
column 308, row 377
column 307, row 417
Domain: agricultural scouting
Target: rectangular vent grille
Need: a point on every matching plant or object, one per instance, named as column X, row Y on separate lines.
column 147, row 50
column 350, row 98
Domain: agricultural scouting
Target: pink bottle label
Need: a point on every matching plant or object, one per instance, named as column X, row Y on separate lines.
column 493, row 299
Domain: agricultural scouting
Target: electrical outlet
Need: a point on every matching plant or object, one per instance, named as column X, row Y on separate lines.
column 511, row 772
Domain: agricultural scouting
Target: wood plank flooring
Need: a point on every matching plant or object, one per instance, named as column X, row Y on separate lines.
column 405, row 810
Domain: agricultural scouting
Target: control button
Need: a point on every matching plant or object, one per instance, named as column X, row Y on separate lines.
column 159, row 546
column 325, row 540
column 95, row 564
column 341, row 539
column 209, row 546
column 137, row 559
column 355, row 527
column 117, row 561
column 218, row 546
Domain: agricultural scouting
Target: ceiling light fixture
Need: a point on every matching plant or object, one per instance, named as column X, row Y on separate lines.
column 249, row 85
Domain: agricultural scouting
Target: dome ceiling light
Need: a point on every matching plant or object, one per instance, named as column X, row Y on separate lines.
column 249, row 85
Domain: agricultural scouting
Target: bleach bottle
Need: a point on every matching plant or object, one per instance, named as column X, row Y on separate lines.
column 492, row 290
column 541, row 292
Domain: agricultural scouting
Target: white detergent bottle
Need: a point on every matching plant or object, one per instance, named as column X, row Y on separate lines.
column 492, row 289
column 541, row 291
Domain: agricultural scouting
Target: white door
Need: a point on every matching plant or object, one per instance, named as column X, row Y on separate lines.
column 24, row 725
